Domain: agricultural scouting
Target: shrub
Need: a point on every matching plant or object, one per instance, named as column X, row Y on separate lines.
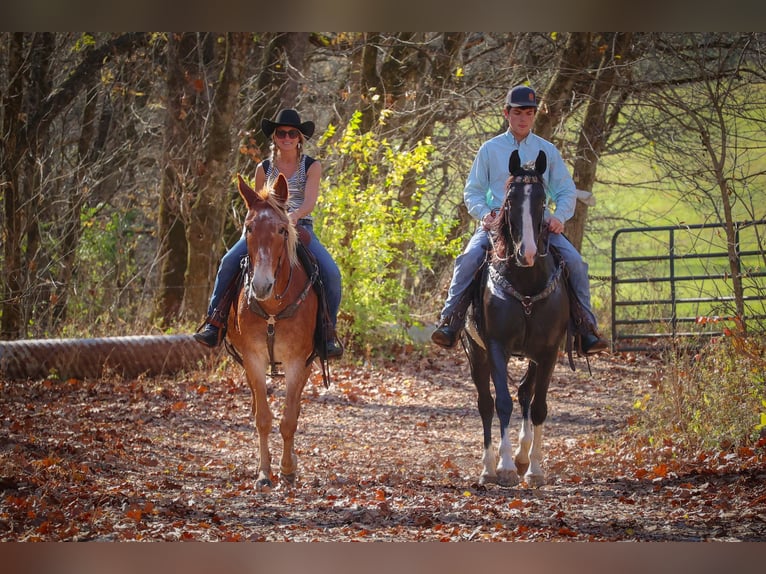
column 711, row 397
column 379, row 241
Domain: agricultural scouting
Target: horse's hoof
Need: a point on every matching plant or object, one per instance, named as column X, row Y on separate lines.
column 507, row 477
column 263, row 484
column 487, row 479
column 289, row 479
column 535, row 480
column 521, row 467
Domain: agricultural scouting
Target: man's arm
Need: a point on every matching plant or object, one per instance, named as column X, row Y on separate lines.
column 477, row 186
column 561, row 186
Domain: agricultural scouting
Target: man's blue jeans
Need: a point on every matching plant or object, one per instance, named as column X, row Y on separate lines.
column 468, row 263
column 328, row 271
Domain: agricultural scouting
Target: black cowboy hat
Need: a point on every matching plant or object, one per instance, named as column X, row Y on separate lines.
column 287, row 117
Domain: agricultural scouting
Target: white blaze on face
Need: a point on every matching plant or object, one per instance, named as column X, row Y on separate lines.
column 263, row 275
column 528, row 244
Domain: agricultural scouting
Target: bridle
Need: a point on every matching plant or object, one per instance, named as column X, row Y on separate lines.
column 542, row 235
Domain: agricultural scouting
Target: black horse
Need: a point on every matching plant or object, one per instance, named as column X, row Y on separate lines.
column 521, row 309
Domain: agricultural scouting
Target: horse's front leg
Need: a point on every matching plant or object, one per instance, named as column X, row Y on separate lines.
column 525, row 394
column 296, row 374
column 533, row 394
column 477, row 358
column 507, row 474
column 263, row 422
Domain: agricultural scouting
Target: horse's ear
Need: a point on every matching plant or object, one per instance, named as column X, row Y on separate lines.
column 246, row 191
column 280, row 190
column 514, row 162
column 541, row 163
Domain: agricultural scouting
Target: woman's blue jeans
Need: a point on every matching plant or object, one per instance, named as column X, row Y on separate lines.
column 328, row 271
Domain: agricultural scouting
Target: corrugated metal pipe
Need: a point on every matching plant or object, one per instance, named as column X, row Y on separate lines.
column 82, row 358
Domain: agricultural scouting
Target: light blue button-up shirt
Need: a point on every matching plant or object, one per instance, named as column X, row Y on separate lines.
column 485, row 186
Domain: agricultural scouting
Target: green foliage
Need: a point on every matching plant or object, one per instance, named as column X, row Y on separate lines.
column 713, row 397
column 106, row 267
column 375, row 230
column 84, row 41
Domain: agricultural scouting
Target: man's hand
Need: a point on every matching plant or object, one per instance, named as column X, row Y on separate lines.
column 488, row 220
column 554, row 225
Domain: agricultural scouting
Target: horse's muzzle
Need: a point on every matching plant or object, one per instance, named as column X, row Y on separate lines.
column 525, row 258
column 260, row 291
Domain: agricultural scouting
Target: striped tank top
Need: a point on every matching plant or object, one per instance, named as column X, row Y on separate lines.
column 296, row 183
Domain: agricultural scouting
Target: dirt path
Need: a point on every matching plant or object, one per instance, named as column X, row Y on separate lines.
column 390, row 452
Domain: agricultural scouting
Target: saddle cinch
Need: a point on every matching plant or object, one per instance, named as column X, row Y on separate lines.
column 578, row 319
column 323, row 330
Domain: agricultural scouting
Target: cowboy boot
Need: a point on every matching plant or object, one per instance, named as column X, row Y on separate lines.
column 333, row 347
column 448, row 330
column 214, row 329
column 591, row 343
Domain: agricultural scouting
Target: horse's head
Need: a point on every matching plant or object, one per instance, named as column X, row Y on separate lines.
column 271, row 238
column 519, row 226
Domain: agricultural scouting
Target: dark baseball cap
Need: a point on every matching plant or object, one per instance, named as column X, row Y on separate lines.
column 521, row 97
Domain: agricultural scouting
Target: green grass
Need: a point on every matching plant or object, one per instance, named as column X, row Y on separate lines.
column 627, row 206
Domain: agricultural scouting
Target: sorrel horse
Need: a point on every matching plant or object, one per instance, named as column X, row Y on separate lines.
column 521, row 309
column 274, row 318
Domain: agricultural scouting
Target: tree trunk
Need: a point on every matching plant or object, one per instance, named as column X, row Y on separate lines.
column 596, row 128
column 72, row 227
column 185, row 88
column 370, row 85
column 559, row 93
column 12, row 283
column 208, row 210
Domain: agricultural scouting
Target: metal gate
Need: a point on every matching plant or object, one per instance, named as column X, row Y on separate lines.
column 675, row 281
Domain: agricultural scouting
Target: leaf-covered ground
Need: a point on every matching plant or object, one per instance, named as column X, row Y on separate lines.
column 390, row 452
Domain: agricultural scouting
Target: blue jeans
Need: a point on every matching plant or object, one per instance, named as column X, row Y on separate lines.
column 468, row 262
column 328, row 271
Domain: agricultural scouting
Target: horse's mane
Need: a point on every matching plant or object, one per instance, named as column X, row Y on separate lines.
column 265, row 194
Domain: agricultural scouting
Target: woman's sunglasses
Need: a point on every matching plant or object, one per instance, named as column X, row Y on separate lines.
column 292, row 134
